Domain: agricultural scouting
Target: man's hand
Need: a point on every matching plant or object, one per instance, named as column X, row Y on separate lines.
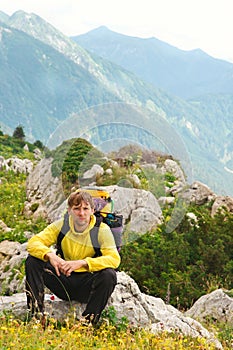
column 67, row 267
column 55, row 261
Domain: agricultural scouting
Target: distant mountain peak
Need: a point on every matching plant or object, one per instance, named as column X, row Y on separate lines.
column 38, row 28
column 21, row 20
column 102, row 28
column 21, row 15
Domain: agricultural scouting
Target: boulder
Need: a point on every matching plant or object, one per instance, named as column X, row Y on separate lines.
column 37, row 153
column 92, row 173
column 217, row 305
column 140, row 208
column 198, row 193
column 222, row 202
column 170, row 166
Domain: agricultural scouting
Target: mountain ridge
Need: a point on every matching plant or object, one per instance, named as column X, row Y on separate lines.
column 177, row 71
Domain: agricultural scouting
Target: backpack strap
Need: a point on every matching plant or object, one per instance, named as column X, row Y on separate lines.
column 65, row 228
column 94, row 236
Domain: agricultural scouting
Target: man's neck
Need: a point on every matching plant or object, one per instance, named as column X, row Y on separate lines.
column 79, row 228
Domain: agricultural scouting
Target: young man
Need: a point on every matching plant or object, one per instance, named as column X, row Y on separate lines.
column 79, row 276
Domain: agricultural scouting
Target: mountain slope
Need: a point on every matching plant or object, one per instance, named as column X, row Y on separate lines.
column 114, row 78
column 183, row 73
column 40, row 86
column 4, row 17
column 220, row 106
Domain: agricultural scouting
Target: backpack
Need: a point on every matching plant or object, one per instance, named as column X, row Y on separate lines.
column 103, row 213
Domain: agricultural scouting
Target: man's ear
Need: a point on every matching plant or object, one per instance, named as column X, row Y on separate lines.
column 68, row 209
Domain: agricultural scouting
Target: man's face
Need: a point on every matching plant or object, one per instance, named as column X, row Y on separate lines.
column 81, row 215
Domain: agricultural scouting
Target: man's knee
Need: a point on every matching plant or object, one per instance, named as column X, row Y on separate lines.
column 108, row 276
column 33, row 263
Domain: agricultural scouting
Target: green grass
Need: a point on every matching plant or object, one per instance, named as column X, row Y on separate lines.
column 13, row 196
column 13, row 147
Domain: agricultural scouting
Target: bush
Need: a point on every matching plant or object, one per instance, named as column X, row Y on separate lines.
column 71, row 159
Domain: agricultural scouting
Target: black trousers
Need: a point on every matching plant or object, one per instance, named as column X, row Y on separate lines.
column 93, row 289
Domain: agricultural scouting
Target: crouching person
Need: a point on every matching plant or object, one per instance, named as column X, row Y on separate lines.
column 77, row 275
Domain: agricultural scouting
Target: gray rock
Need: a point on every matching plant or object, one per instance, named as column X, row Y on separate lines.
column 172, row 167
column 198, row 193
column 166, row 201
column 109, row 172
column 217, row 305
column 93, row 172
column 222, row 202
column 16, row 164
column 140, row 208
column 11, row 258
column 44, row 190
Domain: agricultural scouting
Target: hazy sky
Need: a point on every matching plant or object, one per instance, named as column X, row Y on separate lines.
column 186, row 24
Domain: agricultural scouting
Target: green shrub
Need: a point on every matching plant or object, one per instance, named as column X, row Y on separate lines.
column 71, row 159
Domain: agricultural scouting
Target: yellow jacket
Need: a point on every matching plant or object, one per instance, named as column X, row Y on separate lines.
column 77, row 246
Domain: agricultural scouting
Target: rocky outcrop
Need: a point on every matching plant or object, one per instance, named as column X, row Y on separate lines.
column 170, row 166
column 140, row 208
column 44, row 192
column 198, row 193
column 16, row 164
column 140, row 309
column 92, row 173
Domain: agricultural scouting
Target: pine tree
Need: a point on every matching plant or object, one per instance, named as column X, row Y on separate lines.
column 38, row 144
column 19, row 132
